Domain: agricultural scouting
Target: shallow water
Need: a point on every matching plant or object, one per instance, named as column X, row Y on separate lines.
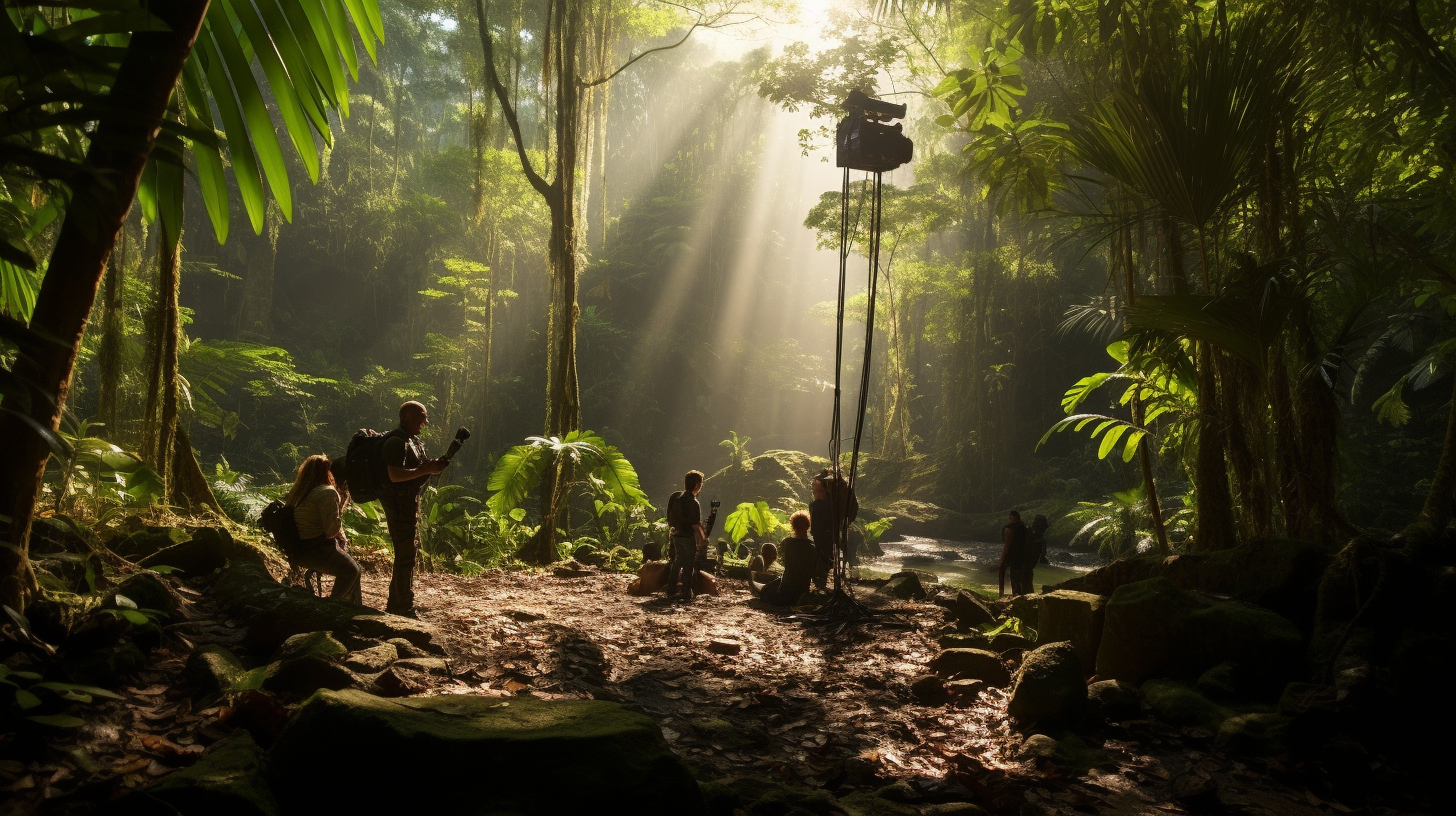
column 972, row 563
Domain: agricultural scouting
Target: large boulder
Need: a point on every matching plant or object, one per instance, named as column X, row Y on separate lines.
column 229, row 780
column 973, row 664
column 1114, row 700
column 1177, row 704
column 148, row 590
column 1049, row 688
column 905, row 586
column 1281, row 575
column 205, row 550
column 968, row 611
column 1154, row 629
column 1075, row 617
column 566, row 756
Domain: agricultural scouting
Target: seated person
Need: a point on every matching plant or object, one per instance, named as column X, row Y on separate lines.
column 801, row 564
column 318, row 514
column 758, row 565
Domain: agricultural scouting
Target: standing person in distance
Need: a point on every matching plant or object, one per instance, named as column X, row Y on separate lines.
column 318, row 515
column 1016, row 555
column 685, row 516
column 409, row 470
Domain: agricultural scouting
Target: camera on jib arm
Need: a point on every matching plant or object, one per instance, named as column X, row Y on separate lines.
column 865, row 140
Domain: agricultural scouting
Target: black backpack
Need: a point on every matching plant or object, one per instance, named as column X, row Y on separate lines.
column 364, row 466
column 674, row 515
column 277, row 520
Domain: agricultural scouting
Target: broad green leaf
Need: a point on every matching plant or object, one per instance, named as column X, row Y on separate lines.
column 25, row 699
column 58, row 720
column 286, row 95
column 260, row 124
column 343, row 38
column 211, row 177
column 205, row 61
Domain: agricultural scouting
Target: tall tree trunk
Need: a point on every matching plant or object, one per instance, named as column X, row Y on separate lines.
column 1145, row 454
column 118, row 151
column 170, row 324
column 1442, row 495
column 108, row 356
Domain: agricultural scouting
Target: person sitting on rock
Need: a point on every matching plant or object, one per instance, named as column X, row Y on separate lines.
column 318, row 515
column 758, row 565
column 801, row 564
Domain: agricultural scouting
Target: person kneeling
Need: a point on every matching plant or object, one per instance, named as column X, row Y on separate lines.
column 801, row 563
column 318, row 514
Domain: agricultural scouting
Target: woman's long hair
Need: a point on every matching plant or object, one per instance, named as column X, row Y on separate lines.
column 313, row 472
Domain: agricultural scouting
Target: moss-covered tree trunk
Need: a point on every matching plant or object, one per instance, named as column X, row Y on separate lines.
column 123, row 139
column 1442, row 495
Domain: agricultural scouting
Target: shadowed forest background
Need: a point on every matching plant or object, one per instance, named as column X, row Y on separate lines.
column 416, row 268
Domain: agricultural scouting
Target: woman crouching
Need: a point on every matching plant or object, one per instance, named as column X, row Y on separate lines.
column 318, row 514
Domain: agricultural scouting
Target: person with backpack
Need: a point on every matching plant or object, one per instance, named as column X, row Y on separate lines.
column 318, row 517
column 685, row 518
column 408, row 470
column 1017, row 556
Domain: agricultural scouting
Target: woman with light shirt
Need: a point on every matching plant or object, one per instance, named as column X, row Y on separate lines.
column 318, row 514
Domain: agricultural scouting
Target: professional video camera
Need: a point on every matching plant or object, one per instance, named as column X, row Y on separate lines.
column 865, row 140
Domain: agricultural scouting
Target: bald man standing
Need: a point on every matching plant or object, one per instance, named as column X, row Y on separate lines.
column 409, row 471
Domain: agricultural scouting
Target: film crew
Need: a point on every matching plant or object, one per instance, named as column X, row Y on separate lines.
column 685, row 517
column 801, row 563
column 409, row 469
column 318, row 515
column 827, row 514
column 1017, row 556
column 1038, row 539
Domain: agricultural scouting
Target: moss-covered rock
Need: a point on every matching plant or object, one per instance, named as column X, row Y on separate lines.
column 140, row 544
column 761, row 797
column 1075, row 617
column 547, row 756
column 953, row 809
column 1069, row 752
column 968, row 640
column 276, row 612
column 1179, row 704
column 1114, row 700
column 1154, row 629
column 419, row 634
column 1253, row 735
column 929, row 690
column 1027, row 609
column 1049, row 688
column 967, row 610
column 865, row 804
column 202, row 551
column 1283, row 576
column 212, row 669
column 148, row 590
column 54, row 615
column 904, row 585
column 372, row 660
column 229, row 780
column 311, row 644
column 301, row 676
column 972, row 664
column 1007, row 641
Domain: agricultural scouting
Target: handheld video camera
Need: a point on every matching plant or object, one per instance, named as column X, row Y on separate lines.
column 460, row 436
column 865, row 140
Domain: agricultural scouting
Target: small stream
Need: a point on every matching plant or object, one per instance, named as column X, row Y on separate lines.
column 971, row 563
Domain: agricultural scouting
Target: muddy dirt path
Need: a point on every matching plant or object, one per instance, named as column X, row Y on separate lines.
column 743, row 691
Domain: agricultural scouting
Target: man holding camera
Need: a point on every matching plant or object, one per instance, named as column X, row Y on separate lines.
column 409, row 470
column 685, row 516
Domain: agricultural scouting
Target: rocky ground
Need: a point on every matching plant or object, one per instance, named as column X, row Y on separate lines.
column 777, row 711
column 742, row 691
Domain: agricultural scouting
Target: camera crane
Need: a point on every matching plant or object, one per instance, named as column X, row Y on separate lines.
column 864, row 140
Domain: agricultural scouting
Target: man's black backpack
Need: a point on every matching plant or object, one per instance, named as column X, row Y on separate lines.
column 364, row 466
column 277, row 520
column 674, row 515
